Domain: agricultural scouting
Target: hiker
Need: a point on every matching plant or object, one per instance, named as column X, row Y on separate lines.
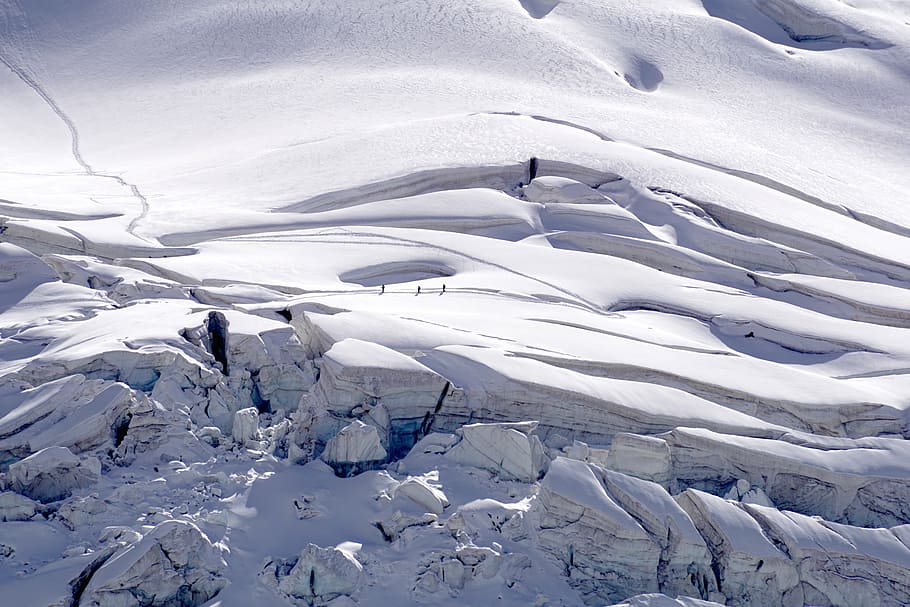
column 418, row 289
column 443, row 287
column 382, row 289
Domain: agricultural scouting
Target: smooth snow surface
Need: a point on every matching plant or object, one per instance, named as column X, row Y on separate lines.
column 514, row 302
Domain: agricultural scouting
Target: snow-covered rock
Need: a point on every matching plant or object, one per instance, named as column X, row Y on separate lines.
column 119, row 533
column 211, row 397
column 312, row 426
column 602, row 550
column 80, row 511
column 317, row 576
column 276, row 436
column 451, row 571
column 662, row 600
column 356, row 376
column 173, row 564
column 863, row 482
column 509, row 450
column 586, row 513
column 743, row 492
column 418, row 490
column 15, row 507
column 872, row 566
column 268, row 370
column 749, row 567
column 150, row 426
column 484, row 521
column 245, row 429
column 392, row 525
column 435, row 443
column 645, row 457
column 278, row 363
column 685, row 563
column 52, row 474
column 354, row 449
column 210, row 434
column 70, row 412
column 780, row 558
column 120, row 283
column 411, row 503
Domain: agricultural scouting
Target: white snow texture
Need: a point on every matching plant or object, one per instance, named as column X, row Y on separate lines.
column 480, row 302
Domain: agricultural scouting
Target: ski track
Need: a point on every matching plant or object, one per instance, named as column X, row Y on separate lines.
column 75, row 144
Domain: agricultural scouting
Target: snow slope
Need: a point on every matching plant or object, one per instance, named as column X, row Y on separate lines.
column 673, row 235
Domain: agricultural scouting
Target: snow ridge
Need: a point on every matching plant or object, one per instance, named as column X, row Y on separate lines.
column 488, row 301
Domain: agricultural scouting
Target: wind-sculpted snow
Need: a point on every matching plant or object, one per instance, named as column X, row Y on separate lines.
column 800, row 23
column 518, row 302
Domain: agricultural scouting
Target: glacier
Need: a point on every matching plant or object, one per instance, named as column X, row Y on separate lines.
column 518, row 302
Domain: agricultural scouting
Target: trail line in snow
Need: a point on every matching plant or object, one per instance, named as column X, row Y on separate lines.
column 74, row 141
column 411, row 242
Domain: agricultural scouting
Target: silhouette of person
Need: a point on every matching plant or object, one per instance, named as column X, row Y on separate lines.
column 443, row 287
column 382, row 290
column 418, row 289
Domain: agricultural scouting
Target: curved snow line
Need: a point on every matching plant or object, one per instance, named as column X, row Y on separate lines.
column 784, row 338
column 878, row 314
column 506, row 177
column 559, row 121
column 868, row 374
column 13, row 210
column 43, row 242
column 408, row 242
column 395, row 272
column 836, row 253
column 500, row 177
column 455, row 224
column 67, row 121
column 783, row 188
column 791, row 24
column 74, row 141
column 824, row 419
column 659, row 255
column 681, row 348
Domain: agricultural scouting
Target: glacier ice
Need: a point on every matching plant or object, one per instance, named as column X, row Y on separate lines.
column 286, row 318
column 52, row 474
column 173, row 564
